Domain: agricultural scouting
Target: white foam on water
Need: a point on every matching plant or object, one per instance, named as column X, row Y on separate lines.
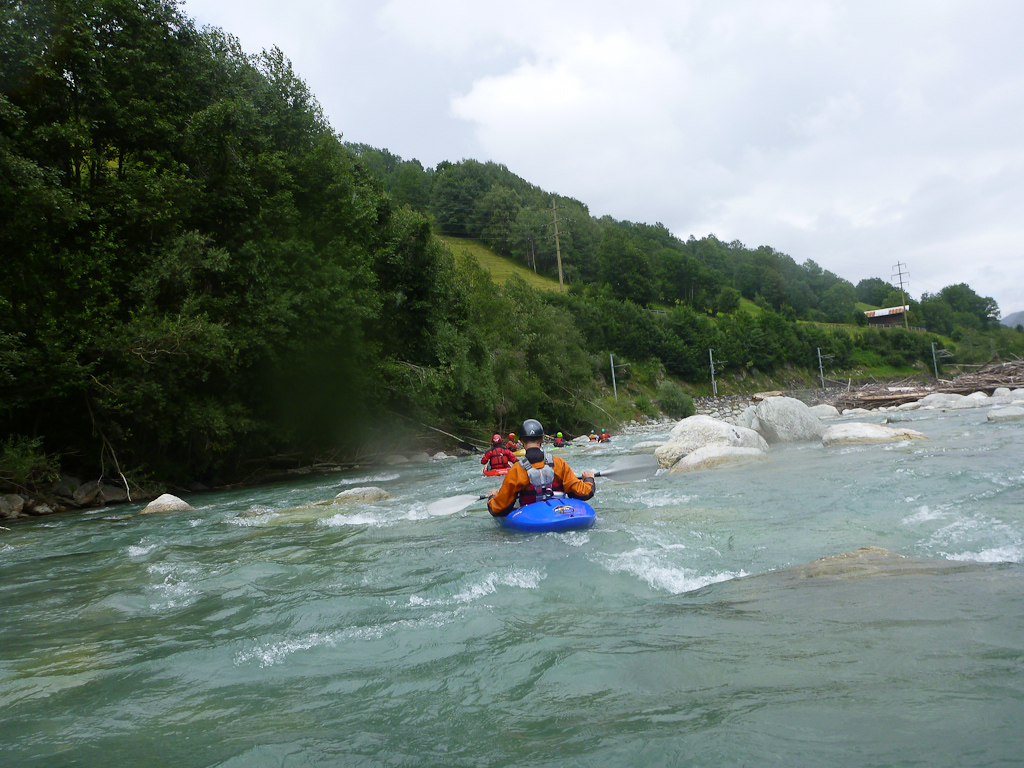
column 381, row 478
column 515, row 577
column 1007, row 554
column 141, row 549
column 269, row 654
column 924, row 514
column 574, row 538
column 194, row 523
column 649, row 566
column 358, row 518
column 174, row 591
column 665, row 498
column 252, row 521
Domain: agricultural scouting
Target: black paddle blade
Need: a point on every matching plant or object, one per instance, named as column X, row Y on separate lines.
column 631, row 468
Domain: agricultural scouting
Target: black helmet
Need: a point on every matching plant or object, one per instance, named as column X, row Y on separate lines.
column 531, row 430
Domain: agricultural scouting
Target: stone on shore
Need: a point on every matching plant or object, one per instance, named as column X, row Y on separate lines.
column 713, row 456
column 1010, row 413
column 825, row 411
column 11, row 505
column 699, row 431
column 787, row 420
column 167, row 502
column 395, row 459
column 860, row 432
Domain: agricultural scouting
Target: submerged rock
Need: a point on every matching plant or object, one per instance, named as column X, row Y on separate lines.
column 168, row 502
column 368, row 494
column 699, row 431
column 787, row 420
column 859, row 432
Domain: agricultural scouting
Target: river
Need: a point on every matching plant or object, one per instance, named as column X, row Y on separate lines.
column 684, row 629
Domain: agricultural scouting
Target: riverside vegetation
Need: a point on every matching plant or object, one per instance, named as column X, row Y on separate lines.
column 203, row 280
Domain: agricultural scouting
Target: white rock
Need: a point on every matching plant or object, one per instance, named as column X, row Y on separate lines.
column 860, row 432
column 1001, row 392
column 911, row 406
column 980, row 396
column 787, row 420
column 967, row 402
column 649, row 444
column 940, row 398
column 168, row 502
column 714, row 455
column 698, row 431
column 441, row 456
column 854, row 411
column 1010, row 413
column 825, row 411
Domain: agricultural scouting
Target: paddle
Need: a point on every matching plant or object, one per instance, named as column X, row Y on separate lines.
column 627, row 469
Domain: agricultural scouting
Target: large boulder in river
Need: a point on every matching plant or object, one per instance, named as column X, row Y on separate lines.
column 366, row 495
column 859, row 432
column 713, row 456
column 698, row 431
column 787, row 420
column 168, row 502
column 1010, row 413
column 825, row 411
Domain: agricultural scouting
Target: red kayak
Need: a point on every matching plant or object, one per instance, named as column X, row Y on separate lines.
column 496, row 472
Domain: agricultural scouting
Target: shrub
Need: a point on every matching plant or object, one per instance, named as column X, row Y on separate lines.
column 23, row 463
column 674, row 401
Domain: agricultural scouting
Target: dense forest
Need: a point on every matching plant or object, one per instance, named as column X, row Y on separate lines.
column 201, row 275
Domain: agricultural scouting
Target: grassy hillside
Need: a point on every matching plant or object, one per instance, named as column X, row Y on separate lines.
column 500, row 267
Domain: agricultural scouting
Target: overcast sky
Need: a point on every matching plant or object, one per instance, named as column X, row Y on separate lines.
column 858, row 134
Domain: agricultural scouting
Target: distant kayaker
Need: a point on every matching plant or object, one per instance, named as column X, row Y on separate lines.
column 513, row 444
column 534, row 476
column 604, row 437
column 498, row 457
column 593, row 437
column 559, row 442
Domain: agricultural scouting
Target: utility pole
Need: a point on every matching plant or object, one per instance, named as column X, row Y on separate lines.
column 558, row 251
column 899, row 273
column 611, row 360
column 821, row 370
column 937, row 353
column 714, row 384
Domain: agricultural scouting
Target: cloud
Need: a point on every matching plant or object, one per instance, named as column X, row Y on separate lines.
column 853, row 134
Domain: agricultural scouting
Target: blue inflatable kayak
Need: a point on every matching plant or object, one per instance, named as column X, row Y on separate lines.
column 550, row 515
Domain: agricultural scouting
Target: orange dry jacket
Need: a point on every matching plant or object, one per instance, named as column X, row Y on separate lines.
column 516, row 480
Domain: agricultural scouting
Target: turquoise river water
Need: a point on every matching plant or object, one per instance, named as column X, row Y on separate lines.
column 685, row 629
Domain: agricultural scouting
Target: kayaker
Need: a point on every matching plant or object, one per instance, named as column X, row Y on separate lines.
column 559, row 442
column 534, row 474
column 593, row 437
column 513, row 444
column 498, row 457
column 604, row 437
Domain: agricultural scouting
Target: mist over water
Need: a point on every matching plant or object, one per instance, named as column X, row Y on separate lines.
column 685, row 628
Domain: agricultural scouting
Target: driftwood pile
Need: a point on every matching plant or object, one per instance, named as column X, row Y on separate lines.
column 986, row 379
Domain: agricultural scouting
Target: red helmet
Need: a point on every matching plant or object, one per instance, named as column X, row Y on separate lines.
column 511, row 435
column 496, row 439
